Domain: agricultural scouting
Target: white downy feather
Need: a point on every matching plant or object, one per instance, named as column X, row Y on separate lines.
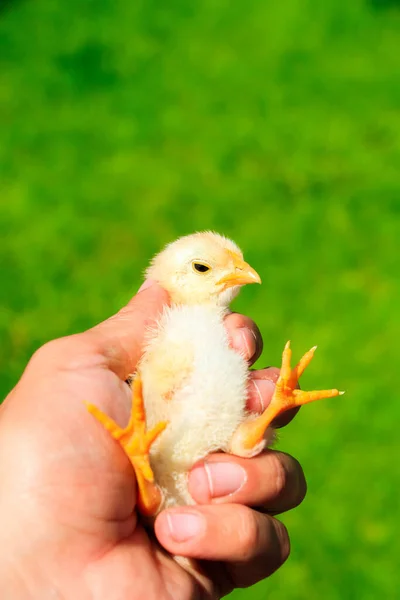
column 196, row 381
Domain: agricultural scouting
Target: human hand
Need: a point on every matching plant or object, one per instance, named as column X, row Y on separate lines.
column 68, row 520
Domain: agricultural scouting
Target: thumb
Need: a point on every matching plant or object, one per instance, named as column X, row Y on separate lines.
column 120, row 338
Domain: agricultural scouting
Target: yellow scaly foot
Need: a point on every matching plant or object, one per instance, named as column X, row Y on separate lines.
column 248, row 439
column 136, row 443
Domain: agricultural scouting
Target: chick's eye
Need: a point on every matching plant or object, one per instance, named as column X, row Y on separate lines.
column 200, row 267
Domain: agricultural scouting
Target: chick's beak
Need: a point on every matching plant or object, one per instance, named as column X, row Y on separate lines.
column 243, row 273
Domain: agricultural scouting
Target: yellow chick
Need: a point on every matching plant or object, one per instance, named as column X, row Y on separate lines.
column 189, row 390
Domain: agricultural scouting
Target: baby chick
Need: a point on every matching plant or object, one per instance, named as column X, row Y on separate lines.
column 189, row 390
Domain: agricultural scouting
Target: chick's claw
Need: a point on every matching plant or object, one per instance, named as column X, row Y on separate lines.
column 287, row 395
column 136, row 443
column 248, row 440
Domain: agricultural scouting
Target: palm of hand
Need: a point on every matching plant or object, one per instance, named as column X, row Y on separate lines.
column 85, row 484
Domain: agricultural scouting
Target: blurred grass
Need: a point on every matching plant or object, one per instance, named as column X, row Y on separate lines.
column 124, row 125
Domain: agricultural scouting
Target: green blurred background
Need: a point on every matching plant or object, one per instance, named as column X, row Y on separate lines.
column 125, row 124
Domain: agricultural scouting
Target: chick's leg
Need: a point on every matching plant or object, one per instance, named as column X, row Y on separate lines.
column 136, row 443
column 248, row 440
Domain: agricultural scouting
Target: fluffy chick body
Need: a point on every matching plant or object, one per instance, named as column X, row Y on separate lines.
column 191, row 385
column 193, row 379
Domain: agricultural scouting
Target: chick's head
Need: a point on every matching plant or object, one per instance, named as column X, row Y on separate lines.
column 202, row 268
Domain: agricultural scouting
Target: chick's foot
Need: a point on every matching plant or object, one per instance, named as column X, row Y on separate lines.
column 136, row 443
column 248, row 439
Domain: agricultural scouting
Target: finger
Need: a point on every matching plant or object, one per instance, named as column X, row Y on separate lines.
column 273, row 481
column 244, row 336
column 231, row 533
column 120, row 338
column 260, row 392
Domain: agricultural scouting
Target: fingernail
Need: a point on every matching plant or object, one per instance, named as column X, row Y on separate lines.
column 184, row 526
column 224, row 478
column 244, row 341
column 260, row 394
column 145, row 285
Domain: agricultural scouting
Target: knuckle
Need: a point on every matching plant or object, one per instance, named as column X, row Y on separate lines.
column 289, row 480
column 280, row 474
column 48, row 351
column 248, row 532
column 62, row 351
